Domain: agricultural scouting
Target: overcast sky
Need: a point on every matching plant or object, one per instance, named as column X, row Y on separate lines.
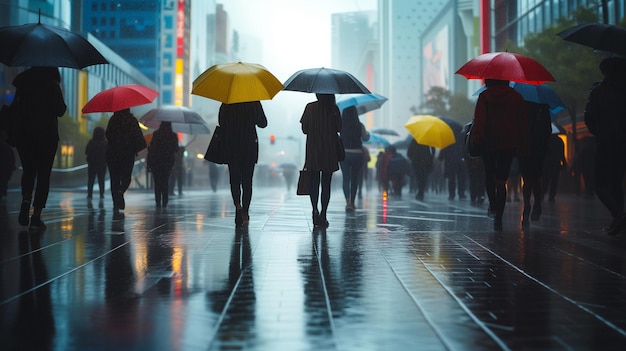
column 295, row 33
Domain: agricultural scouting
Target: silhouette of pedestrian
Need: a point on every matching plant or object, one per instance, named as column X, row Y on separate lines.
column 177, row 175
column 475, row 172
column 238, row 123
column 531, row 167
column 398, row 172
column 605, row 117
column 124, row 141
column 96, row 150
column 454, row 168
column 214, row 175
column 421, row 157
column 353, row 134
column 554, row 163
column 40, row 101
column 321, row 121
column 500, row 125
column 161, row 158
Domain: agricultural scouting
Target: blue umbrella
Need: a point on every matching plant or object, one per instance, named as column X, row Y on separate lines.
column 364, row 103
column 377, row 140
column 541, row 94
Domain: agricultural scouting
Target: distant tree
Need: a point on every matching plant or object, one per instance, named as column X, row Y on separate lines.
column 437, row 99
column 441, row 102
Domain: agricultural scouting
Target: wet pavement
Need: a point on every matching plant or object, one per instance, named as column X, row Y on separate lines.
column 398, row 274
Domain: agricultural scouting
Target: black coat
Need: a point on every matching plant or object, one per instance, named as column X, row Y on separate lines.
column 40, row 101
column 322, row 141
column 238, row 124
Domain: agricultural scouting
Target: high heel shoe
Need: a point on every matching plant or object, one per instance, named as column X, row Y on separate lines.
column 316, row 218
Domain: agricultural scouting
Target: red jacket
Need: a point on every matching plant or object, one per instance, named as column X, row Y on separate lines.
column 503, row 111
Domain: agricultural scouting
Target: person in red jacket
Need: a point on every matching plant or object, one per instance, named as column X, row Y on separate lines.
column 500, row 125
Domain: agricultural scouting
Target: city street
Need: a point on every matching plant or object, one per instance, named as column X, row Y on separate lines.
column 398, row 274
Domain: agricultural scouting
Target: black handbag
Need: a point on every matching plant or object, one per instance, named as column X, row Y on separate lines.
column 216, row 152
column 473, row 149
column 304, row 182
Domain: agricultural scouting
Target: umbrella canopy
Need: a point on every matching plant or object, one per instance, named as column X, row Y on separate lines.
column 540, row 94
column 605, row 38
column 236, row 82
column 376, row 140
column 455, row 125
column 37, row 44
column 384, row 131
column 183, row 119
column 430, row 130
column 364, row 103
column 506, row 66
column 120, row 98
column 325, row 81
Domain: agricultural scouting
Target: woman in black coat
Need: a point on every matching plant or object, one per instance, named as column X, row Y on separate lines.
column 238, row 124
column 161, row 157
column 96, row 161
column 40, row 101
column 321, row 121
column 125, row 140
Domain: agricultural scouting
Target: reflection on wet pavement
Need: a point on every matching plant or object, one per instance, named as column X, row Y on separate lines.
column 398, row 274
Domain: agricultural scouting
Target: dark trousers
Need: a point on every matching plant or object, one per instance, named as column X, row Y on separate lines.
column 531, row 168
column 161, row 186
column 177, row 175
column 120, row 173
column 37, row 159
column 94, row 171
column 241, row 175
column 352, row 169
column 497, row 169
column 610, row 170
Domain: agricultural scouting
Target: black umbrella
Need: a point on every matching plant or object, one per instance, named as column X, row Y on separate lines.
column 325, row 81
column 39, row 44
column 605, row 38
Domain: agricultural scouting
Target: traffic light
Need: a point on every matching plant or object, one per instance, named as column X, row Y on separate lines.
column 272, row 139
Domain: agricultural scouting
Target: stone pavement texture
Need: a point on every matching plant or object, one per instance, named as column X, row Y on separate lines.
column 398, row 274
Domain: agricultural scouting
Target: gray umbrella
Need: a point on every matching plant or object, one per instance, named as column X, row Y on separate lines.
column 325, row 81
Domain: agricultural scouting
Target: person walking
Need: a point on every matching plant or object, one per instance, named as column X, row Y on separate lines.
column 96, row 150
column 124, row 141
column 500, row 125
column 161, row 158
column 40, row 102
column 353, row 134
column 321, row 121
column 178, row 172
column 421, row 157
column 238, row 123
column 605, row 117
column 554, row 163
column 454, row 167
column 531, row 167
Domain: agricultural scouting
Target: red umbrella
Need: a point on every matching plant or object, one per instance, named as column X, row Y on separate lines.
column 120, row 98
column 506, row 66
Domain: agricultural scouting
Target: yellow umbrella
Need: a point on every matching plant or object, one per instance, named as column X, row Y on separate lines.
column 236, row 82
column 430, row 130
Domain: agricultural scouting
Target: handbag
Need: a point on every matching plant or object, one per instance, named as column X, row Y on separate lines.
column 341, row 151
column 473, row 149
column 304, row 182
column 216, row 151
